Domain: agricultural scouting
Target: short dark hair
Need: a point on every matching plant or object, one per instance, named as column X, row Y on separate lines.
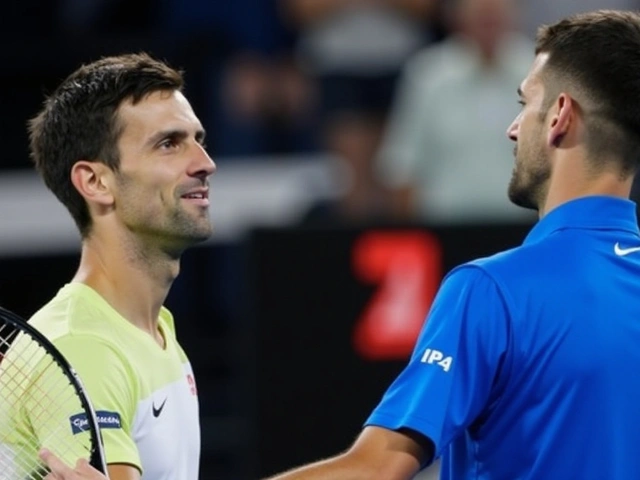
column 598, row 54
column 79, row 121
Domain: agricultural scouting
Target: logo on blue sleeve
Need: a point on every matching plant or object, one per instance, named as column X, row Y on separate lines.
column 432, row 356
column 79, row 422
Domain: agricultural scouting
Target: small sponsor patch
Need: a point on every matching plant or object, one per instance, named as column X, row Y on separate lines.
column 79, row 422
column 192, row 384
column 436, row 357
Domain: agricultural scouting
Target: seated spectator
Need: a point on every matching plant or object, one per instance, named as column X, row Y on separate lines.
column 445, row 156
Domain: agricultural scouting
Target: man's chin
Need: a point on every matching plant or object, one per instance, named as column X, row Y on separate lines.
column 177, row 247
column 202, row 235
column 194, row 235
column 522, row 197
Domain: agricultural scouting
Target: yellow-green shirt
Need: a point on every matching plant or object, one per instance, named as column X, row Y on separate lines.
column 144, row 396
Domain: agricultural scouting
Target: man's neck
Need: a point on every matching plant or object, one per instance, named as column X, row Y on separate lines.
column 566, row 186
column 133, row 280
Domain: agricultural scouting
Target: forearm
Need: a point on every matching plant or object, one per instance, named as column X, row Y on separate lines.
column 336, row 468
column 378, row 454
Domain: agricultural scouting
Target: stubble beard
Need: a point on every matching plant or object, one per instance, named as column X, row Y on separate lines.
column 188, row 228
column 529, row 179
column 178, row 231
column 173, row 230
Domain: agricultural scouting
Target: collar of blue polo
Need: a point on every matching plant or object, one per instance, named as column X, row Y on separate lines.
column 591, row 213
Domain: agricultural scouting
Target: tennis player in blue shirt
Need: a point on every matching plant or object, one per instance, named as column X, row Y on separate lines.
column 528, row 367
column 529, row 363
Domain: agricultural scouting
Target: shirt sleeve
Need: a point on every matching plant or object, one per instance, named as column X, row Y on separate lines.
column 448, row 380
column 109, row 383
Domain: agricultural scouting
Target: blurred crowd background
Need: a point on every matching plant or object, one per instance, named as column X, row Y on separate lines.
column 359, row 144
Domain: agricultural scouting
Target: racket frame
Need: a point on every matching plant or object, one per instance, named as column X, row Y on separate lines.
column 97, row 458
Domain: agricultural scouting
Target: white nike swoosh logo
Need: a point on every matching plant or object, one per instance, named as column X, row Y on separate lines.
column 621, row 252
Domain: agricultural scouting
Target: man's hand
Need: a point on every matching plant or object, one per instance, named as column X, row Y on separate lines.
column 60, row 471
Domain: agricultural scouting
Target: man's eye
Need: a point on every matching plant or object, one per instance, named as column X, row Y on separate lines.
column 521, row 102
column 168, row 143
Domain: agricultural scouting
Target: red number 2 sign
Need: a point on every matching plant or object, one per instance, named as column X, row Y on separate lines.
column 406, row 266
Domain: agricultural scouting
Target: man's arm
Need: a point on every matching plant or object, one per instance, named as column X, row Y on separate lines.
column 431, row 402
column 123, row 472
column 110, row 385
column 378, row 453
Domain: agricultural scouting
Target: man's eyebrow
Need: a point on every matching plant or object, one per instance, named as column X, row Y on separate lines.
column 174, row 133
column 520, row 92
column 162, row 134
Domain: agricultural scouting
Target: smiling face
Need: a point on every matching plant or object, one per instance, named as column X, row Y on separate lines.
column 161, row 188
column 529, row 182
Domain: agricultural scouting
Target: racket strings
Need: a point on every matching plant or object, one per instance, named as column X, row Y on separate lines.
column 38, row 407
column 7, row 335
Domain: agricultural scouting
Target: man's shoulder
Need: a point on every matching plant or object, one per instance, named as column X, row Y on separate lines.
column 55, row 318
column 75, row 311
column 524, row 264
column 518, row 257
column 505, row 259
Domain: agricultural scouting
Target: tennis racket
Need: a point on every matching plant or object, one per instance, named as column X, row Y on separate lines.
column 42, row 404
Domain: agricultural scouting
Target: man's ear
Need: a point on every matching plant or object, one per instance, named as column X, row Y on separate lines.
column 562, row 115
column 93, row 182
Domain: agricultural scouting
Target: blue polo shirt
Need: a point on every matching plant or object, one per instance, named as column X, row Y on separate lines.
column 528, row 367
